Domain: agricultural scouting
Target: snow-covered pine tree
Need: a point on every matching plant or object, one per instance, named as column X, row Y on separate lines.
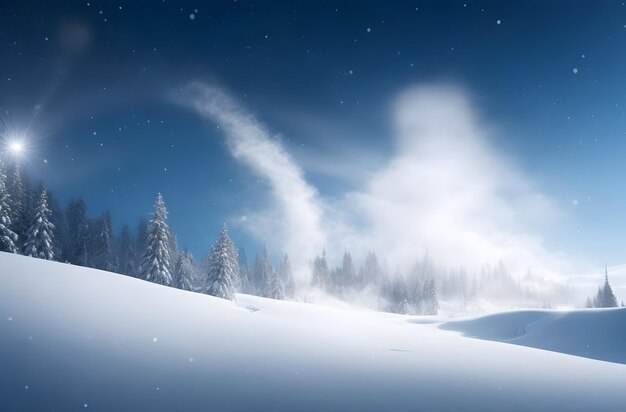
column 398, row 299
column 57, row 218
column 244, row 271
column 104, row 256
column 286, row 275
column 8, row 238
column 126, row 253
column 185, row 271
column 605, row 297
column 320, row 273
column 18, row 203
column 275, row 288
column 142, row 235
column 223, row 268
column 430, row 304
column 371, row 271
column 78, row 233
column 348, row 273
column 39, row 242
column 262, row 272
column 155, row 263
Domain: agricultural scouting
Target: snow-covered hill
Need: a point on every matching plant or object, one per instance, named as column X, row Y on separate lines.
column 592, row 333
column 73, row 338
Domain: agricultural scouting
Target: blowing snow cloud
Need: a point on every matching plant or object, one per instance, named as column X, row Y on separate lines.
column 446, row 191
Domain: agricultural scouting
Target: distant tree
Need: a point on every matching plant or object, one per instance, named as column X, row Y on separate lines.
column 588, row 303
column 285, row 273
column 399, row 296
column 223, row 268
column 155, row 262
column 8, row 238
column 185, row 272
column 126, row 253
column 142, row 234
column 348, row 273
column 370, row 272
column 262, row 272
column 430, row 304
column 244, row 271
column 39, row 242
column 104, row 256
column 18, row 201
column 57, row 218
column 275, row 288
column 605, row 297
column 78, row 233
column 174, row 252
column 320, row 273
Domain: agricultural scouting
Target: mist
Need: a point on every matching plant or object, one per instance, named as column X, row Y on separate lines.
column 446, row 193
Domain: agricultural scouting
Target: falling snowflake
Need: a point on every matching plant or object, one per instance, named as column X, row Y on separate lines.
column 575, row 70
column 575, row 202
column 498, row 21
column 155, row 339
column 192, row 16
column 368, row 29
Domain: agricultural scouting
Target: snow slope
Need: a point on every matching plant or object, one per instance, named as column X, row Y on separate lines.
column 73, row 338
column 592, row 333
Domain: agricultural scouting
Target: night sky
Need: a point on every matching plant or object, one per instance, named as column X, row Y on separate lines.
column 88, row 86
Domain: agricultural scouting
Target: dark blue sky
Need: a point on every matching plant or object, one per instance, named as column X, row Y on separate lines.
column 89, row 84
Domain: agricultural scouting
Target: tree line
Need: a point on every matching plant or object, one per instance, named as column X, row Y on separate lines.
column 33, row 223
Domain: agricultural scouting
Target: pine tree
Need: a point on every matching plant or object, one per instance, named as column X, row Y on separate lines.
column 155, row 263
column 18, row 203
column 262, row 272
column 39, row 242
column 286, row 275
column 348, row 274
column 605, row 297
column 371, row 271
column 223, row 268
column 104, row 256
column 430, row 304
column 142, row 234
column 399, row 302
column 57, row 218
column 185, row 272
column 78, row 233
column 608, row 299
column 126, row 253
column 244, row 271
column 8, row 238
column 275, row 288
column 320, row 271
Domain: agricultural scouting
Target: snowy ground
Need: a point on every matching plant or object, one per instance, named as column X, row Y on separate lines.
column 74, row 338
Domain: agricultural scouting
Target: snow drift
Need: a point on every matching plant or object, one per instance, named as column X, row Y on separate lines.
column 592, row 333
column 74, row 338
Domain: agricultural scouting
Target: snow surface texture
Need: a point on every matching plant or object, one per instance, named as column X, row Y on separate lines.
column 73, row 338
